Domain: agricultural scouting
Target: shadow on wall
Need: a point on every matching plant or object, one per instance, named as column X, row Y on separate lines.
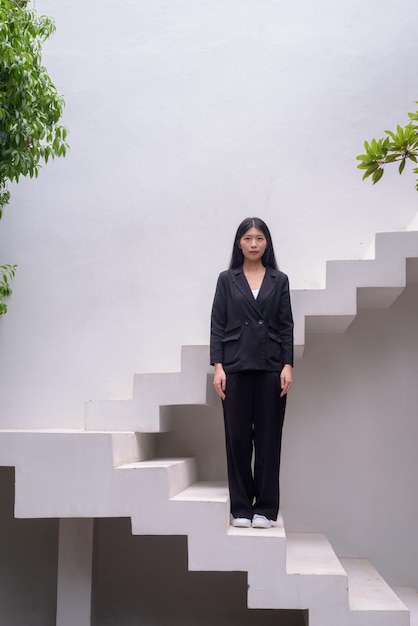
column 142, row 579
column 28, row 563
column 350, row 465
column 198, row 431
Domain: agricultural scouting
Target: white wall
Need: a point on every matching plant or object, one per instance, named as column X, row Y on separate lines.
column 184, row 118
column 350, row 464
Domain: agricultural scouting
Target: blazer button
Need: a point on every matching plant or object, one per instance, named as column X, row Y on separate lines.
column 261, row 321
column 247, row 322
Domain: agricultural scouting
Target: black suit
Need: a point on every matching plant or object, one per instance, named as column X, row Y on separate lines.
column 253, row 340
column 249, row 333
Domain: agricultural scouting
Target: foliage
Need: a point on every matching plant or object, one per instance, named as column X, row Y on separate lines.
column 7, row 272
column 30, row 106
column 401, row 146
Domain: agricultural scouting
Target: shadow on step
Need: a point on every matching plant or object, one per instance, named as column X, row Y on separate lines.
column 145, row 580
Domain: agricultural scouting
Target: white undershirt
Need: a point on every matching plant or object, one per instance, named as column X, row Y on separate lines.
column 255, row 293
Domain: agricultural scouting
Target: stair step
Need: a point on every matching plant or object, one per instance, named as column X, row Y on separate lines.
column 409, row 596
column 312, row 554
column 216, row 491
column 149, row 410
column 215, row 545
column 276, row 530
column 355, row 284
column 181, row 472
column 370, row 596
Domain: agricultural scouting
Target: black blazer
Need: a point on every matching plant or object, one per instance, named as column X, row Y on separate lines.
column 249, row 333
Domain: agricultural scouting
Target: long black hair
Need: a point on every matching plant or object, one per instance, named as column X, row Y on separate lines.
column 268, row 259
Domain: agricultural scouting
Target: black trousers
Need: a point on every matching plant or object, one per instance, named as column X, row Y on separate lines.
column 253, row 415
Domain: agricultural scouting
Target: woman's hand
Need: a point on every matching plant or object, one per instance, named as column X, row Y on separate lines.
column 219, row 380
column 285, row 379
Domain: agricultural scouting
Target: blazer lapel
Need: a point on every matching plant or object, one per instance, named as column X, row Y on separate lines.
column 242, row 284
column 268, row 284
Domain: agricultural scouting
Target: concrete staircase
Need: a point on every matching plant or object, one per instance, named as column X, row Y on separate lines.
column 97, row 470
column 285, row 570
column 154, row 395
column 350, row 285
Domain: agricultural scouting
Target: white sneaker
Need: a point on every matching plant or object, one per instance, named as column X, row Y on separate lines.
column 261, row 521
column 241, row 522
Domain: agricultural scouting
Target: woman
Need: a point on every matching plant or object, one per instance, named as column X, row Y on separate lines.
column 252, row 351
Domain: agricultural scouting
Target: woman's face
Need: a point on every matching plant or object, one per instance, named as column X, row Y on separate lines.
column 253, row 244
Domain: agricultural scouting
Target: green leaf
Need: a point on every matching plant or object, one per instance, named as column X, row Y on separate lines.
column 371, row 170
column 395, row 156
column 391, row 134
column 368, row 149
column 402, row 166
column 377, row 175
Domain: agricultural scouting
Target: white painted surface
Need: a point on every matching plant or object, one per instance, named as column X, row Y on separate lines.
column 409, row 597
column 349, row 466
column 341, row 451
column 161, row 496
column 75, row 570
column 201, row 598
column 367, row 589
column 311, row 554
column 186, row 117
